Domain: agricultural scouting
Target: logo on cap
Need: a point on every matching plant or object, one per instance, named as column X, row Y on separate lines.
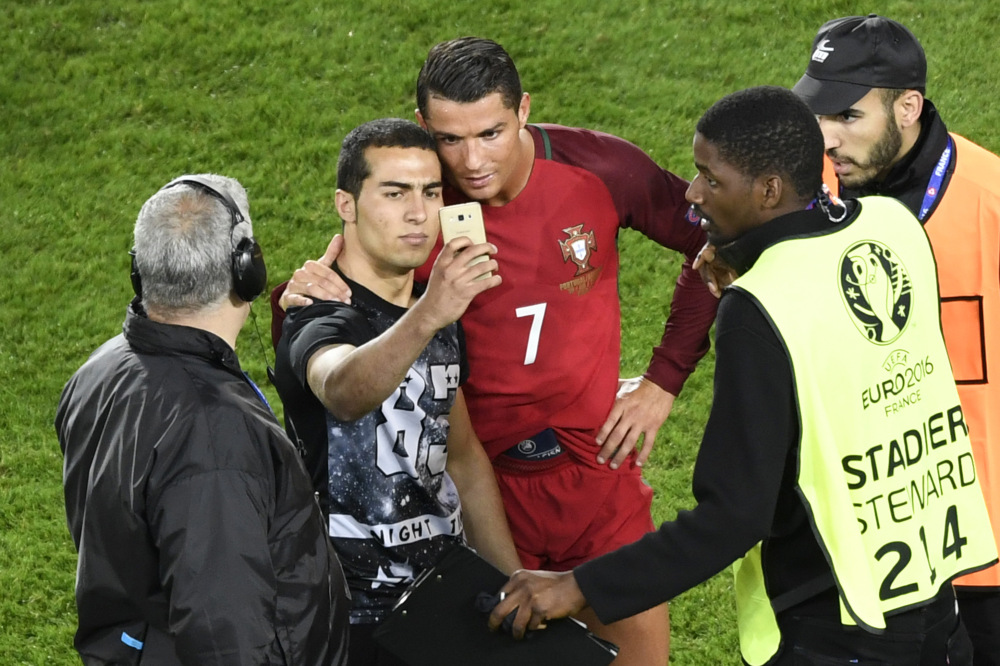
column 822, row 51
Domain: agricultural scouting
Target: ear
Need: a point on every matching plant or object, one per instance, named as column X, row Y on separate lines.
column 347, row 207
column 908, row 108
column 420, row 118
column 769, row 190
column 523, row 110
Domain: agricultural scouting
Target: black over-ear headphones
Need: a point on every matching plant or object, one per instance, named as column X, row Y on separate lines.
column 248, row 269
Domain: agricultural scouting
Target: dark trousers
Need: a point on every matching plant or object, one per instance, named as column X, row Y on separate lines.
column 980, row 611
column 364, row 651
column 931, row 635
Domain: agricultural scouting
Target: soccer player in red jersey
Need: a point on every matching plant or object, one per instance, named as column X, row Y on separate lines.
column 544, row 346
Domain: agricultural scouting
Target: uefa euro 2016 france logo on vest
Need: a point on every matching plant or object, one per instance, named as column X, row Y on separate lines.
column 877, row 291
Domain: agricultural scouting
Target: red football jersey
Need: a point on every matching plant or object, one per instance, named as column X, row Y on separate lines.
column 544, row 347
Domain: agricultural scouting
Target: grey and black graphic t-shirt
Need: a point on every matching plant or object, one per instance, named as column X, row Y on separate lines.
column 392, row 508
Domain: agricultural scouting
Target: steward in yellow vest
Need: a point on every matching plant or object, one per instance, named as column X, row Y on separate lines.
column 884, row 464
column 835, row 463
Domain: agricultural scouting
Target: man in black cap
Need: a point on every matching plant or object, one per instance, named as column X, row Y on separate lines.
column 865, row 82
column 199, row 538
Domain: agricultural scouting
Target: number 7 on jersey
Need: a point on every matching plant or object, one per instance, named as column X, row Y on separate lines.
column 537, row 313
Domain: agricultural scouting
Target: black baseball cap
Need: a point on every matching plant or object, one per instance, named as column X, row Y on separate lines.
column 852, row 55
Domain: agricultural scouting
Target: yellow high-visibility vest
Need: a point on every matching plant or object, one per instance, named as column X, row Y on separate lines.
column 885, row 465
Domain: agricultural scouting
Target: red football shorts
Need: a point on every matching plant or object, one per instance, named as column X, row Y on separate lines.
column 568, row 515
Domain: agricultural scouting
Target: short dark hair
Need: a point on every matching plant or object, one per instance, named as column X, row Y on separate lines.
column 767, row 129
column 468, row 69
column 888, row 97
column 353, row 166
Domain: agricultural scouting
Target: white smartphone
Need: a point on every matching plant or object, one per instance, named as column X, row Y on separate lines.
column 464, row 219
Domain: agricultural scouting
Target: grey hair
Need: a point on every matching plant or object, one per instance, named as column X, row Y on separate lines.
column 184, row 242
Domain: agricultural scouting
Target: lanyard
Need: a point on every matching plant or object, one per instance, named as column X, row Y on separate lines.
column 259, row 393
column 827, row 201
column 934, row 184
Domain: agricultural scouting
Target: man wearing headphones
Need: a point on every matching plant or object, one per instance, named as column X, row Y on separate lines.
column 199, row 539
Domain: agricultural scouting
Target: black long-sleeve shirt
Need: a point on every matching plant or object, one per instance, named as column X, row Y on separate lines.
column 744, row 477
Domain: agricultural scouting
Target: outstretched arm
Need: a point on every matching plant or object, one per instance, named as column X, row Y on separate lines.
column 738, row 480
column 352, row 381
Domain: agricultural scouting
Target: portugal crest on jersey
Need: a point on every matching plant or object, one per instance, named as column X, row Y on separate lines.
column 578, row 247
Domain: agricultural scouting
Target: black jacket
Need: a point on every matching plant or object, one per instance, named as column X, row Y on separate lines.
column 199, row 538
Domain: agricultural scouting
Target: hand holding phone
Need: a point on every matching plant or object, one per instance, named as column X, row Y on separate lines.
column 464, row 219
